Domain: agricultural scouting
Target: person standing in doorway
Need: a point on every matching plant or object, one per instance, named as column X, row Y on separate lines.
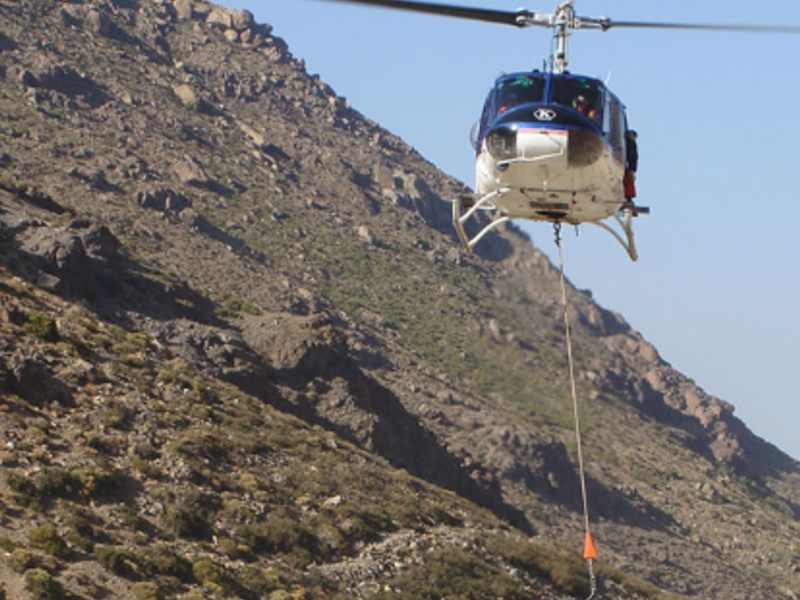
column 631, row 164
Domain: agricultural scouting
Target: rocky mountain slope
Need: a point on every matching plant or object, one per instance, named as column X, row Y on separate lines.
column 244, row 356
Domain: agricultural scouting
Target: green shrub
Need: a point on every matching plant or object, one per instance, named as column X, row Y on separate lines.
column 146, row 590
column 45, row 537
column 25, row 492
column 42, row 327
column 42, row 586
column 55, row 482
column 281, row 535
column 365, row 523
column 21, row 560
column 94, row 482
column 233, row 306
column 189, row 522
column 35, row 493
column 98, row 482
column 81, row 534
column 261, row 581
column 129, row 517
column 116, row 414
column 296, row 593
column 118, row 560
column 163, row 562
column 6, row 543
column 212, row 576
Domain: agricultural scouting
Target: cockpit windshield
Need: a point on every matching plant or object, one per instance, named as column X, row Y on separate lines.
column 582, row 94
column 520, row 89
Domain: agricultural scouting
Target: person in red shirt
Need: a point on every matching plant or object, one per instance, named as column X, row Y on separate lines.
column 631, row 164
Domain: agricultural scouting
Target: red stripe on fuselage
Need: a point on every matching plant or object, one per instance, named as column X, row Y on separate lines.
column 543, row 130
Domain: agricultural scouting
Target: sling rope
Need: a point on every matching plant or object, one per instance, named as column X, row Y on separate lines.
column 589, row 551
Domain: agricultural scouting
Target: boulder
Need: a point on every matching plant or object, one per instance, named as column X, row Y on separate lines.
column 190, row 171
column 255, row 136
column 163, row 199
column 229, row 18
column 32, row 380
column 187, row 95
column 100, row 23
column 184, row 9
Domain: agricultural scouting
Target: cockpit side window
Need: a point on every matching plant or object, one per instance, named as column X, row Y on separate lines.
column 583, row 95
column 521, row 89
column 614, row 126
column 479, row 129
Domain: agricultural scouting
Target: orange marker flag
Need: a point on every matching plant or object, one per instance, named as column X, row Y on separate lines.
column 589, row 551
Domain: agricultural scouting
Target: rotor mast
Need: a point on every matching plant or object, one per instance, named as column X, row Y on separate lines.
column 564, row 23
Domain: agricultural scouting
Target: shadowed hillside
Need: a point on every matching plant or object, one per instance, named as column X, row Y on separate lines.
column 242, row 354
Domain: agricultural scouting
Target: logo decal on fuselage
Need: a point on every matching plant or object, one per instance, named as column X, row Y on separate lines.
column 544, row 114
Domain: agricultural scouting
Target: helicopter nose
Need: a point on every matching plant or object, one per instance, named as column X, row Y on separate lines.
column 502, row 143
column 584, row 148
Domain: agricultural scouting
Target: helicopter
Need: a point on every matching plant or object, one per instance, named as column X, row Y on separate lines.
column 551, row 145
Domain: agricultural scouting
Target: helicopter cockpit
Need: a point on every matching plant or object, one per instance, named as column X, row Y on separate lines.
column 519, row 89
column 585, row 95
column 507, row 102
column 580, row 93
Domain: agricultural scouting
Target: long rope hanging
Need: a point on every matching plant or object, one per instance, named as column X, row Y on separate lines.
column 589, row 551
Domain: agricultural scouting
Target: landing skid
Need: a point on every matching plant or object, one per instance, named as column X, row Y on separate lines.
column 465, row 207
column 471, row 206
column 624, row 218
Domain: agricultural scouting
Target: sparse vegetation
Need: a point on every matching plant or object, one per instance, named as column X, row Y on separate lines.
column 281, row 535
column 233, row 306
column 565, row 569
column 452, row 569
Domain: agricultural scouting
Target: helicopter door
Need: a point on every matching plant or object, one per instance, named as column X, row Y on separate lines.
column 614, row 127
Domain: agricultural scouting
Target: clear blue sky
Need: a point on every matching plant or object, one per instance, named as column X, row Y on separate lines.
column 717, row 286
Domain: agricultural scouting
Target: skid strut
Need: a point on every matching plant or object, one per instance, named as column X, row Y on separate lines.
column 486, row 203
column 624, row 218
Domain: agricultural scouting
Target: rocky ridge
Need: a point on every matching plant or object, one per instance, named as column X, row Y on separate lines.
column 243, row 354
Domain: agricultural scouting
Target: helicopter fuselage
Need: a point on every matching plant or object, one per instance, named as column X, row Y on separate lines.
column 551, row 147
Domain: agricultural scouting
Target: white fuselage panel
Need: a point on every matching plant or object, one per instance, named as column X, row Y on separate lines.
column 543, row 180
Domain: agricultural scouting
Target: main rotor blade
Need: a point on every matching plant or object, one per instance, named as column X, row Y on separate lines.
column 606, row 23
column 464, row 12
